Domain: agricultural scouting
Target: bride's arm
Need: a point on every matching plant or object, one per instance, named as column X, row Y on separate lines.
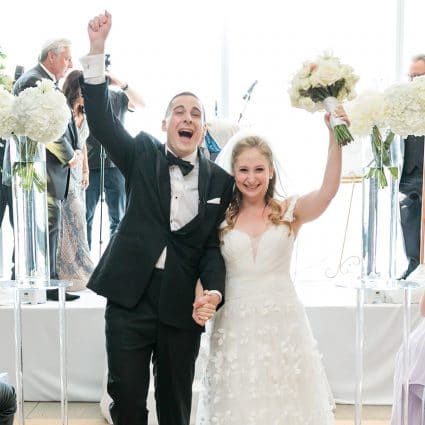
column 313, row 204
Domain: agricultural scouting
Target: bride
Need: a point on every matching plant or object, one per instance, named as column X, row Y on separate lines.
column 263, row 366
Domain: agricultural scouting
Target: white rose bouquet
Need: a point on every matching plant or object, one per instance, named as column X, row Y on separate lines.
column 40, row 114
column 369, row 116
column 322, row 85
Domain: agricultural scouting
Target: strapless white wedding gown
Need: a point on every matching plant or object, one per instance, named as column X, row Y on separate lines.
column 263, row 367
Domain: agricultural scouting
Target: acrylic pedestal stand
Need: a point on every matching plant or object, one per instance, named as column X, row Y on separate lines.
column 361, row 287
column 61, row 285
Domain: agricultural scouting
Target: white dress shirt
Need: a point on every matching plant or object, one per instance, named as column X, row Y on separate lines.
column 50, row 74
column 184, row 197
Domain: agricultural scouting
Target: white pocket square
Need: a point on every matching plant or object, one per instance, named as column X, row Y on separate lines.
column 214, row 201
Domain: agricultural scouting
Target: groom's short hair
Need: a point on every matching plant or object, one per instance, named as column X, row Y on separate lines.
column 183, row 93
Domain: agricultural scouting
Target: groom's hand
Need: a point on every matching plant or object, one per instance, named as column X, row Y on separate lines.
column 98, row 30
column 204, row 307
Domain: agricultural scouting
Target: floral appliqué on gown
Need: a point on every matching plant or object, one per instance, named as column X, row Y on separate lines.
column 263, row 366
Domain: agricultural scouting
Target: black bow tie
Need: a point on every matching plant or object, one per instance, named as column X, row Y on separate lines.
column 185, row 166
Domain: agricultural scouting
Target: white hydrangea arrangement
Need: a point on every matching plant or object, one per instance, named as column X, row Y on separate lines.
column 41, row 115
column 42, row 112
column 400, row 109
column 7, row 117
column 323, row 84
column 405, row 105
column 369, row 117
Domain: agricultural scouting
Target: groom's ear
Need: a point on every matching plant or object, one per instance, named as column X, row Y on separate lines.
column 164, row 125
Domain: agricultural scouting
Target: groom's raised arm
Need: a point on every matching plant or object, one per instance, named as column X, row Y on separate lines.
column 103, row 124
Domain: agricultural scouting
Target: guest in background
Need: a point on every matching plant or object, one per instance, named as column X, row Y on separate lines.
column 219, row 131
column 411, row 185
column 416, row 373
column 7, row 404
column 74, row 262
column 54, row 61
column 123, row 98
column 6, row 189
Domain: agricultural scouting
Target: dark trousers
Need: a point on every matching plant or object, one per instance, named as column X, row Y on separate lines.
column 114, row 188
column 54, row 209
column 6, row 201
column 136, row 337
column 410, row 215
column 7, row 404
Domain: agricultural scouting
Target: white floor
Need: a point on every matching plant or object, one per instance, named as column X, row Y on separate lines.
column 89, row 413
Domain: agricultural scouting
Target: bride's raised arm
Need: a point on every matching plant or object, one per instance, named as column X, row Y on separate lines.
column 313, row 204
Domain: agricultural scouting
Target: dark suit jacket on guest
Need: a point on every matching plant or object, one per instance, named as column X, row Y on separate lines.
column 413, row 157
column 58, row 153
column 193, row 251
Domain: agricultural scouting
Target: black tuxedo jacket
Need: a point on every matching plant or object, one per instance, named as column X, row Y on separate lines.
column 413, row 154
column 58, row 153
column 193, row 251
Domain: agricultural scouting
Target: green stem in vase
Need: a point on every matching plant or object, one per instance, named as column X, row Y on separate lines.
column 342, row 135
column 381, row 158
column 25, row 168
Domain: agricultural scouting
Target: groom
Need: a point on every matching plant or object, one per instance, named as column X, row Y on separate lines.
column 168, row 238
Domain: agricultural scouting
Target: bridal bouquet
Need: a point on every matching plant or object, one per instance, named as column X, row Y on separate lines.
column 322, row 85
column 369, row 115
column 38, row 115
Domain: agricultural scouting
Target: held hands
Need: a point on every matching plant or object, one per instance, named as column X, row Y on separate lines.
column 204, row 307
column 98, row 30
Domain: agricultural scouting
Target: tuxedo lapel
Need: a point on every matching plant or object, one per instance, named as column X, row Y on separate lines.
column 163, row 183
column 204, row 179
column 43, row 73
column 164, row 187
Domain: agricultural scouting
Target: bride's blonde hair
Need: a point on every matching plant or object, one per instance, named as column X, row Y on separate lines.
column 277, row 209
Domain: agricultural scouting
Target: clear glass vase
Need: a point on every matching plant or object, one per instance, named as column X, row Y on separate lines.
column 380, row 209
column 29, row 184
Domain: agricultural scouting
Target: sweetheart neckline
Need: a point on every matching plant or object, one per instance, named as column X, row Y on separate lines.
column 256, row 236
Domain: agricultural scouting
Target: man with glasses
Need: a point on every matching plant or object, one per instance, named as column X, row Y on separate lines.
column 411, row 185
